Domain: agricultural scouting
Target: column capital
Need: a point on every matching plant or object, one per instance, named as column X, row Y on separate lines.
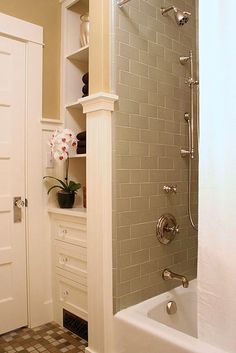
column 98, row 101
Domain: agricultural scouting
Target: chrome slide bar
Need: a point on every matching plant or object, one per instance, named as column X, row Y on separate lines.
column 191, row 152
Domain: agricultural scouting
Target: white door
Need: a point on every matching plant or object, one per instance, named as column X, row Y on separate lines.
column 13, row 293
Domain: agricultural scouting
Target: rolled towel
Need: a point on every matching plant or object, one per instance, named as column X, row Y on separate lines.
column 85, row 78
column 81, row 150
column 85, row 89
column 81, row 143
column 81, row 135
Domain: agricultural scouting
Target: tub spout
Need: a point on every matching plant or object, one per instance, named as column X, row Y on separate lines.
column 167, row 274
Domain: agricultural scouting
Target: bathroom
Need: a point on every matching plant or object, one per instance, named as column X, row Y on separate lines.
column 137, row 171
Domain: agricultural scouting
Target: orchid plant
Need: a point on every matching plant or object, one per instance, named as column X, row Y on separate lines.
column 61, row 144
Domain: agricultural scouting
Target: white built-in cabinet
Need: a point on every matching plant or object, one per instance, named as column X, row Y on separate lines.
column 68, row 226
column 69, row 259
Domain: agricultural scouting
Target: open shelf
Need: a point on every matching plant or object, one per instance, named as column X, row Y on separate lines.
column 82, row 54
column 76, row 211
column 79, row 156
column 76, row 104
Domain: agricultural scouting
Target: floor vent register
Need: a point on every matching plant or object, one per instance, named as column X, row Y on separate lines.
column 75, row 324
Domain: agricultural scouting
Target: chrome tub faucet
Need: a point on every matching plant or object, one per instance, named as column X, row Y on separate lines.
column 168, row 274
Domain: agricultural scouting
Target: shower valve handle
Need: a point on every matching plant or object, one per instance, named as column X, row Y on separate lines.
column 174, row 229
column 166, row 228
column 170, row 189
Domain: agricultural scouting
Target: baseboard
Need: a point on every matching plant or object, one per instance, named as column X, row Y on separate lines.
column 88, row 350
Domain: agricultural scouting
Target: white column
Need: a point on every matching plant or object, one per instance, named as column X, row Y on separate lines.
column 98, row 108
column 217, row 224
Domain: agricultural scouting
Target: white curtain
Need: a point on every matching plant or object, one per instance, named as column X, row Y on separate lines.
column 217, row 189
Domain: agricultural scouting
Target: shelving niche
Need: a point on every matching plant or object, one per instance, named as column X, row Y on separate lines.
column 69, row 226
column 75, row 63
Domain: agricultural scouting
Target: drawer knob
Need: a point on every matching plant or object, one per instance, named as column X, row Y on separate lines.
column 63, row 260
column 65, row 293
column 64, row 231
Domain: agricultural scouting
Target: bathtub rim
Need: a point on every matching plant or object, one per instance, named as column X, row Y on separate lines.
column 146, row 305
column 136, row 315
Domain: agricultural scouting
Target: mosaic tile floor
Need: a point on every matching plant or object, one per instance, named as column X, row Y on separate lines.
column 49, row 338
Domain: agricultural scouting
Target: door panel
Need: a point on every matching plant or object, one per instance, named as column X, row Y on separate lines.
column 13, row 293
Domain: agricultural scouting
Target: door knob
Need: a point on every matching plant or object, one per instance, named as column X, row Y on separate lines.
column 19, row 203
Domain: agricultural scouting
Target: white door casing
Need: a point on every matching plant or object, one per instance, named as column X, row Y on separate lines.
column 13, row 293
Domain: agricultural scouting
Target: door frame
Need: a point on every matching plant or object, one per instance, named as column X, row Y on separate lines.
column 37, row 235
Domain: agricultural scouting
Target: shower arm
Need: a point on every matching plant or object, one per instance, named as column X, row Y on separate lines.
column 164, row 10
column 120, row 3
column 167, row 9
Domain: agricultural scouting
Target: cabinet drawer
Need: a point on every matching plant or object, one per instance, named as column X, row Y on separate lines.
column 71, row 258
column 73, row 233
column 81, row 278
column 72, row 296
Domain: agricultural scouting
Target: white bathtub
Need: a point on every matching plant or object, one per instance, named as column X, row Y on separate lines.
column 147, row 328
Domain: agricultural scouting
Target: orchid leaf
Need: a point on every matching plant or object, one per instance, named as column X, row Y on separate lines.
column 73, row 186
column 59, row 180
column 55, row 186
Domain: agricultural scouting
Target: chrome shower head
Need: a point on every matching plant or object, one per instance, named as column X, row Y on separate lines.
column 181, row 17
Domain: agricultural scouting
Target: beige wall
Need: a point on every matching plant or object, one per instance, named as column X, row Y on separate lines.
column 45, row 13
column 149, row 131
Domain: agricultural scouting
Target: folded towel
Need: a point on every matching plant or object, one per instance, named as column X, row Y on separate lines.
column 81, row 143
column 81, row 150
column 81, row 135
column 85, row 78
